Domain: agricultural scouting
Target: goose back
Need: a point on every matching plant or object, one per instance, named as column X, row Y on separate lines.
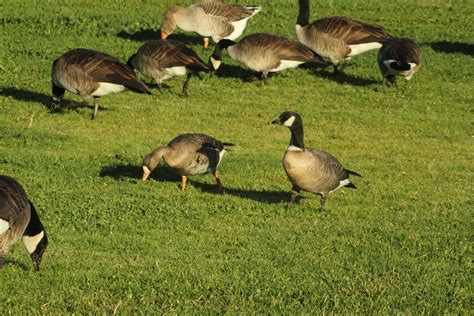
column 399, row 56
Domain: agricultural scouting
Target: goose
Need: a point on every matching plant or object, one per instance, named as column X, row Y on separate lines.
column 189, row 154
column 265, row 53
column 91, row 73
column 209, row 19
column 309, row 169
column 164, row 59
column 19, row 219
column 398, row 56
column 337, row 38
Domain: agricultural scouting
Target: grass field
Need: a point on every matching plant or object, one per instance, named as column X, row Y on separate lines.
column 402, row 242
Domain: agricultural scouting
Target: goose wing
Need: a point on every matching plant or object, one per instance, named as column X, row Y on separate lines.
column 13, row 201
column 403, row 50
column 330, row 165
column 228, row 12
column 101, row 67
column 350, row 31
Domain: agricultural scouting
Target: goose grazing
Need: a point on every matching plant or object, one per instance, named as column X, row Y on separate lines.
column 90, row 73
column 163, row 60
column 18, row 219
column 265, row 53
column 310, row 169
column 398, row 56
column 189, row 154
column 337, row 38
column 208, row 18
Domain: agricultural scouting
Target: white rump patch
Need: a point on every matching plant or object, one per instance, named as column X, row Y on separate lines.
column 215, row 63
column 387, row 62
column 239, row 27
column 362, row 48
column 412, row 65
column 32, row 241
column 342, row 183
column 285, row 64
column 4, row 226
column 289, row 121
column 176, row 71
column 107, row 88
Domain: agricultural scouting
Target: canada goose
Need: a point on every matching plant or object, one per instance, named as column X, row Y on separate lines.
column 209, row 19
column 337, row 38
column 310, row 169
column 398, row 56
column 18, row 219
column 265, row 53
column 90, row 73
column 189, row 154
column 162, row 60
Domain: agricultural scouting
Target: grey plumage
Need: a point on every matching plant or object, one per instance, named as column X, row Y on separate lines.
column 189, row 154
column 398, row 57
column 308, row 169
column 18, row 219
column 91, row 73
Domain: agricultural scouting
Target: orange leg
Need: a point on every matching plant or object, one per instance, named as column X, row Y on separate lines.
column 206, row 42
column 183, row 183
column 219, row 188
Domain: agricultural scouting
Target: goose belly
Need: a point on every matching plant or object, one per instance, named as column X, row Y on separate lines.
column 106, row 88
column 285, row 64
column 362, row 48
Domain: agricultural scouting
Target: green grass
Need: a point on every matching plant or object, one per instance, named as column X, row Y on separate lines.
column 402, row 242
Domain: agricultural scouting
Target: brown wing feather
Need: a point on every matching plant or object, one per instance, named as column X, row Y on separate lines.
column 13, row 200
column 349, row 30
column 401, row 49
column 227, row 11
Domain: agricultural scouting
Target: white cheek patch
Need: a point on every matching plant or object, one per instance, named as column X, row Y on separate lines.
column 215, row 63
column 289, row 121
column 32, row 241
column 4, row 226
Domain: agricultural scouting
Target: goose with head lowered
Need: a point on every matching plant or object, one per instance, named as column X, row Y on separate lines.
column 189, row 154
column 208, row 18
column 265, row 53
column 398, row 57
column 18, row 219
column 311, row 169
column 164, row 59
column 337, row 38
column 91, row 73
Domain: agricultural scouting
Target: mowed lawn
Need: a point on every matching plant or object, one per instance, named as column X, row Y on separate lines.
column 402, row 242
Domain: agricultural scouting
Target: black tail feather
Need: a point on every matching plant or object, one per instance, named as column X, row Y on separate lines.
column 353, row 173
column 228, row 144
column 351, row 185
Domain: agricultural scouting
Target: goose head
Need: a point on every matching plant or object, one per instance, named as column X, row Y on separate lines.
column 289, row 119
column 35, row 238
column 216, row 58
column 168, row 25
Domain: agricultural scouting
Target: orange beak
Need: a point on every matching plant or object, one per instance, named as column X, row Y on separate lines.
column 206, row 43
column 163, row 35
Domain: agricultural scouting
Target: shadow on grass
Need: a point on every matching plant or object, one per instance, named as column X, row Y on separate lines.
column 232, row 71
column 452, row 47
column 340, row 77
column 268, row 197
column 27, row 96
column 143, row 35
column 122, row 171
column 21, row 265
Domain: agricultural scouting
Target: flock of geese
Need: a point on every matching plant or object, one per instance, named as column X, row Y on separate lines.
column 89, row 73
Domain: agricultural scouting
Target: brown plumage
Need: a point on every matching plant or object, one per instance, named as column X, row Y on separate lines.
column 337, row 38
column 164, row 59
column 265, row 53
column 91, row 73
column 18, row 219
column 398, row 56
column 189, row 154
column 308, row 169
column 209, row 19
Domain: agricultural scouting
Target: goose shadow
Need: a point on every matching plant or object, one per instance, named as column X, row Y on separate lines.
column 45, row 100
column 263, row 196
column 232, row 71
column 9, row 262
column 343, row 78
column 452, row 47
column 143, row 35
column 129, row 171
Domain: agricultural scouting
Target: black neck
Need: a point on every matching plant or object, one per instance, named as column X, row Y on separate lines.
column 34, row 226
column 303, row 16
column 297, row 136
column 223, row 44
